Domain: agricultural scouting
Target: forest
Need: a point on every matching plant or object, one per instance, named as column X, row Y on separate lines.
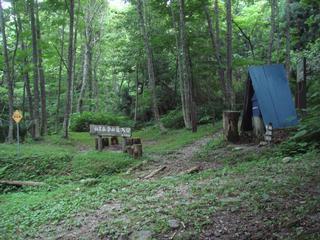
column 160, row 119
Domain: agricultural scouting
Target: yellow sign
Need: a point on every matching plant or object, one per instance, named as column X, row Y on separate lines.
column 17, row 116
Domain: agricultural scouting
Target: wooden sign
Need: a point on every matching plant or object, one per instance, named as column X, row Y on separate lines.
column 111, row 131
column 17, row 116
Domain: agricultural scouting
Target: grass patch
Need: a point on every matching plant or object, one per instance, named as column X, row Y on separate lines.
column 76, row 139
column 260, row 182
column 96, row 164
column 255, row 183
column 157, row 142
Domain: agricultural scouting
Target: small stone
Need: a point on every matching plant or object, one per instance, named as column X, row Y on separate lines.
column 141, row 235
column 174, row 224
column 287, row 159
column 113, row 191
column 237, row 148
column 263, row 143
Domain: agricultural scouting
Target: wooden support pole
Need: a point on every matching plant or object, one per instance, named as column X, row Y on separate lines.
column 100, row 147
column 114, row 140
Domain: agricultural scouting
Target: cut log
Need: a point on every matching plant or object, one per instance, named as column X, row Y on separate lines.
column 230, row 125
column 129, row 150
column 22, row 183
column 126, row 142
column 155, row 172
column 137, row 150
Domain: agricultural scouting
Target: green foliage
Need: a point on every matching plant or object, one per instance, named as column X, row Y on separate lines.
column 96, row 164
column 174, row 119
column 34, row 163
column 4, row 132
column 173, row 139
column 80, row 122
column 192, row 199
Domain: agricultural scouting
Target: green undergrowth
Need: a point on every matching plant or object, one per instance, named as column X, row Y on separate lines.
column 171, row 140
column 55, row 164
column 259, row 184
column 76, row 139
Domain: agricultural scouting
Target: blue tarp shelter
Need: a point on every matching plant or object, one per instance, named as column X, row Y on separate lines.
column 270, row 86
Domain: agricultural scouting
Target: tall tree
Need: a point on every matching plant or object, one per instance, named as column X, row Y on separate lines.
column 42, row 81
column 35, row 52
column 272, row 30
column 7, row 73
column 216, row 46
column 288, row 39
column 188, row 104
column 60, row 77
column 229, row 87
column 67, row 112
column 25, row 71
column 150, row 64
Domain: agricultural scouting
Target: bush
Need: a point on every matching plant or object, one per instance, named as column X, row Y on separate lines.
column 174, row 119
column 81, row 122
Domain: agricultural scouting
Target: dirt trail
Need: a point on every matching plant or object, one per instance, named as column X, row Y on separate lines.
column 179, row 161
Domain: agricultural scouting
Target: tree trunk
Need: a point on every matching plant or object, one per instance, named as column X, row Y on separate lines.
column 137, row 95
column 150, row 65
column 215, row 41
column 44, row 122
column 7, row 73
column 273, row 28
column 60, row 80
column 36, row 115
column 75, row 39
column 229, row 87
column 278, row 42
column 25, row 73
column 288, row 40
column 221, row 68
column 70, row 72
column 187, row 86
column 84, row 79
column 179, row 63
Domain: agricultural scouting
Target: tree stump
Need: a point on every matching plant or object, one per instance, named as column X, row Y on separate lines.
column 129, row 150
column 114, row 140
column 137, row 150
column 230, row 125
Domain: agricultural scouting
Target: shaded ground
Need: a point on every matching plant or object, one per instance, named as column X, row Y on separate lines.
column 177, row 161
column 245, row 193
column 276, row 221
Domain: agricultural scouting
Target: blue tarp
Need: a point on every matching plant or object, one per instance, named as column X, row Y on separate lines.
column 272, row 90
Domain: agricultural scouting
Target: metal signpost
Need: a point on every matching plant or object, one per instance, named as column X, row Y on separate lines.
column 17, row 117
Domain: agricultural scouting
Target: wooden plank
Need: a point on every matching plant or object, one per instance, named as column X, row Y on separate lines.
column 22, row 183
column 155, row 172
